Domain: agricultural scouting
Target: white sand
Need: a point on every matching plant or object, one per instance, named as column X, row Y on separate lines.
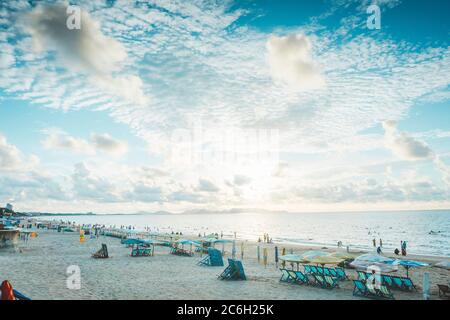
column 38, row 269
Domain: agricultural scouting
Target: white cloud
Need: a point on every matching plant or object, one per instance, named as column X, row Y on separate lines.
column 85, row 50
column 57, row 139
column 109, row 144
column 207, row 186
column 405, row 146
column 291, row 62
column 12, row 159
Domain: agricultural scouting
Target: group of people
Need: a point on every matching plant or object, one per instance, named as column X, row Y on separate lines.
column 403, row 248
column 266, row 238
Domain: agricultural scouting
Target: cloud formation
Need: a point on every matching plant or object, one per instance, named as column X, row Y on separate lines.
column 85, row 50
column 405, row 146
column 291, row 62
column 57, row 139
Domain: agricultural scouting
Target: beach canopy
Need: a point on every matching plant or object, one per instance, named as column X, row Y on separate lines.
column 292, row 258
column 409, row 264
column 188, row 242
column 155, row 242
column 132, row 241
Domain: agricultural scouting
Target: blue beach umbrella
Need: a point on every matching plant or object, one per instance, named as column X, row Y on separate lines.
column 409, row 264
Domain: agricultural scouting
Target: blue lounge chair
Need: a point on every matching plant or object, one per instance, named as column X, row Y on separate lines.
column 387, row 280
column 308, row 269
column 314, row 270
column 326, row 271
column 234, row 271
column 301, row 278
column 341, row 273
column 398, row 283
column 408, row 284
column 333, row 273
column 331, row 282
column 320, row 270
column 213, row 259
column 360, row 289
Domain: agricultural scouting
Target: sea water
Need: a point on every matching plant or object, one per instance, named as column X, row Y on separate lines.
column 426, row 232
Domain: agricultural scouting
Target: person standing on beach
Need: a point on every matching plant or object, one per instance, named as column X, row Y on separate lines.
column 374, row 243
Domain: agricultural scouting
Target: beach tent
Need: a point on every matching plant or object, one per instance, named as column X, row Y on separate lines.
column 409, row 264
column 191, row 243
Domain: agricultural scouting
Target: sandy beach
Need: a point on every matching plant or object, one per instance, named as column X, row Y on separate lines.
column 38, row 269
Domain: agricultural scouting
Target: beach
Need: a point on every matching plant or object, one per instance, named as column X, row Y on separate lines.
column 38, row 268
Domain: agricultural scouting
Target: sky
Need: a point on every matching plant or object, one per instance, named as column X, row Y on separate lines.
column 215, row 105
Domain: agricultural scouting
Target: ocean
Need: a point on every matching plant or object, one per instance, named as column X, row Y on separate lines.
column 426, row 232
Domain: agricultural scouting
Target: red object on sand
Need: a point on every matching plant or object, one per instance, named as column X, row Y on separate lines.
column 7, row 291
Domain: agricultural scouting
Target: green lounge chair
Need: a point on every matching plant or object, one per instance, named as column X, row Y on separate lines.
column 320, row 281
column 301, row 278
column 331, row 282
column 285, row 277
column 292, row 276
column 341, row 273
column 314, row 270
column 385, row 293
column 320, row 270
column 362, row 275
column 444, row 291
column 326, row 271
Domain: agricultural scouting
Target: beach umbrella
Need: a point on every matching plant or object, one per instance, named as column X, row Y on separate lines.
column 190, row 242
column 292, row 258
column 132, row 241
column 311, row 254
column 409, row 264
column 368, row 260
column 328, row 259
column 343, row 255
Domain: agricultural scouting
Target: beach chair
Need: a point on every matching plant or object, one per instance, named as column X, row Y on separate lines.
column 326, row 272
column 307, row 269
column 387, row 280
column 102, row 253
column 360, row 289
column 285, row 277
column 234, row 271
column 361, row 275
column 213, row 259
column 301, row 278
column 341, row 273
column 398, row 283
column 181, row 252
column 408, row 284
column 314, row 270
column 444, row 291
column 331, row 282
column 333, row 272
column 385, row 293
column 320, row 270
column 319, row 281
column 141, row 252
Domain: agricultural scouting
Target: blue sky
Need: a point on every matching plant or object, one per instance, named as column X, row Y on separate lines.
column 168, row 105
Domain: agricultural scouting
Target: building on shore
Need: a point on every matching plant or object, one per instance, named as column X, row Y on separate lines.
column 7, row 211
